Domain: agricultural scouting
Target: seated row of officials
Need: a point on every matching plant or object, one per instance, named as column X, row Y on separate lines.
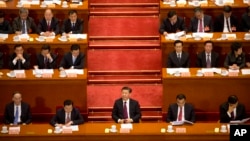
column 125, row 110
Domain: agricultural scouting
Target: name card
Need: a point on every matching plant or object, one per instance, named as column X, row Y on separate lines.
column 208, row 74
column 14, row 130
column 26, row 5
column 20, row 75
column 185, row 74
column 233, row 73
column 1, row 39
column 47, row 75
column 71, row 75
column 180, row 130
column 127, row 126
column 67, row 130
column 73, row 5
column 73, row 39
column 23, row 39
column 49, row 40
column 51, row 5
column 2, row 4
column 124, row 130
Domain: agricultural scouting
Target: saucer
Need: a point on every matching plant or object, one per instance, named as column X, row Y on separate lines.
column 8, row 74
column 170, row 131
column 57, row 132
column 199, row 74
column 16, row 40
column 38, row 75
column 172, row 5
column 39, row 40
column 197, row 39
column 62, row 76
column 4, row 132
column 113, row 131
column 62, row 40
column 65, row 6
column 246, row 38
column 223, row 131
column 19, row 6
column 177, row 74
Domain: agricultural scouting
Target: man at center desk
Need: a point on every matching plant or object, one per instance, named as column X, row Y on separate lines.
column 200, row 22
column 23, row 24
column 49, row 25
column 72, row 25
column 46, row 59
column 178, row 58
column 73, row 59
column 126, row 109
column 68, row 115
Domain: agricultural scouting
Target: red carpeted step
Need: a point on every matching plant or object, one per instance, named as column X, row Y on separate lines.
column 124, row 44
column 105, row 95
column 123, row 26
column 124, row 59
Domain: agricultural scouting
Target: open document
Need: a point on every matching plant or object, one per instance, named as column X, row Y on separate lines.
column 181, row 122
column 239, row 121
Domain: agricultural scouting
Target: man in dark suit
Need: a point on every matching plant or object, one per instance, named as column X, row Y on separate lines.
column 245, row 20
column 45, row 59
column 68, row 115
column 178, row 58
column 208, row 58
column 172, row 24
column 226, row 22
column 232, row 110
column 201, row 22
column 19, row 59
column 24, row 24
column 126, row 109
column 49, row 25
column 4, row 24
column 72, row 25
column 180, row 110
column 73, row 59
column 17, row 112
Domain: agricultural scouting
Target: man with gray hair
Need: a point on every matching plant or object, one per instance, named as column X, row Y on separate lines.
column 23, row 24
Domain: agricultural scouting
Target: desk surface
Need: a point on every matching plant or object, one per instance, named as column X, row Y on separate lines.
column 141, row 131
column 10, row 5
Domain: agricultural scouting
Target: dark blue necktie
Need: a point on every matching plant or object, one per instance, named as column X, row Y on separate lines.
column 16, row 116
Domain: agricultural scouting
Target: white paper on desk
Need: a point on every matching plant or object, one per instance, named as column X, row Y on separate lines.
column 24, row 36
column 181, row 122
column 74, row 71
column 43, row 71
column 4, row 36
column 216, row 70
column 53, row 2
column 245, row 1
column 32, row 2
column 245, row 71
column 202, row 35
column 19, row 71
column 73, row 127
column 231, row 70
column 239, row 121
column 175, row 36
column 181, row 2
column 78, row 36
column 231, row 36
column 16, row 128
column 175, row 70
column 127, row 126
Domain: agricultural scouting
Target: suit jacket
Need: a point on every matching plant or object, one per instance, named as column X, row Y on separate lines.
column 168, row 27
column 25, row 65
column 240, row 112
column 207, row 22
column 25, row 113
column 134, row 110
column 67, row 26
column 41, row 64
column 245, row 22
column 5, row 27
column 54, row 26
column 67, row 61
column 201, row 60
column 231, row 59
column 1, row 60
column 219, row 23
column 173, row 61
column 31, row 26
column 172, row 114
column 59, row 118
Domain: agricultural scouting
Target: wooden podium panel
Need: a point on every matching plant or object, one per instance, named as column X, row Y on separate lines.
column 44, row 94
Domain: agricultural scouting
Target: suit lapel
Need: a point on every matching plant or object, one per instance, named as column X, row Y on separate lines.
column 12, row 110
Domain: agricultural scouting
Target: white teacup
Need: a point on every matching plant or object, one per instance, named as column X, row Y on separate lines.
column 57, row 129
column 41, row 38
column 220, row 1
column 64, row 3
column 4, row 128
column 12, row 73
column 62, row 73
column 113, row 127
column 196, row 3
column 63, row 37
column 43, row 3
column 19, row 3
column 223, row 127
column 224, row 36
column 16, row 38
column 172, row 3
column 170, row 127
column 247, row 36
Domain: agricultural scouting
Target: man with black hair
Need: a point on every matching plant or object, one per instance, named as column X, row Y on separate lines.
column 68, row 115
column 180, row 111
column 178, row 58
column 73, row 59
column 4, row 24
column 19, row 59
column 232, row 110
column 226, row 22
column 201, row 22
column 236, row 58
column 46, row 59
column 72, row 25
column 172, row 24
column 126, row 109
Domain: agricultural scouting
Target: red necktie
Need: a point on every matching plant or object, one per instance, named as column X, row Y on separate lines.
column 125, row 112
column 180, row 115
column 67, row 118
column 200, row 26
column 208, row 61
column 48, row 26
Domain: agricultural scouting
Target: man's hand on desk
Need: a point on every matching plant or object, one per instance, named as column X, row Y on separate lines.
column 18, row 32
column 206, row 28
column 58, row 125
column 234, row 67
column 248, row 64
column 233, row 28
column 129, row 120
column 165, row 33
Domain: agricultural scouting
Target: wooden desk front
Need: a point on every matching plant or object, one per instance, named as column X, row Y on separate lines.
column 44, row 94
column 140, row 132
column 205, row 93
column 36, row 12
column 222, row 47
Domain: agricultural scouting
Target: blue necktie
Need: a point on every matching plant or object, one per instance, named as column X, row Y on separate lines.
column 16, row 116
column 23, row 27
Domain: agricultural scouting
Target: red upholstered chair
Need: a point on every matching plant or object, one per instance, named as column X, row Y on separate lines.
column 59, row 52
column 32, row 52
column 6, row 54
